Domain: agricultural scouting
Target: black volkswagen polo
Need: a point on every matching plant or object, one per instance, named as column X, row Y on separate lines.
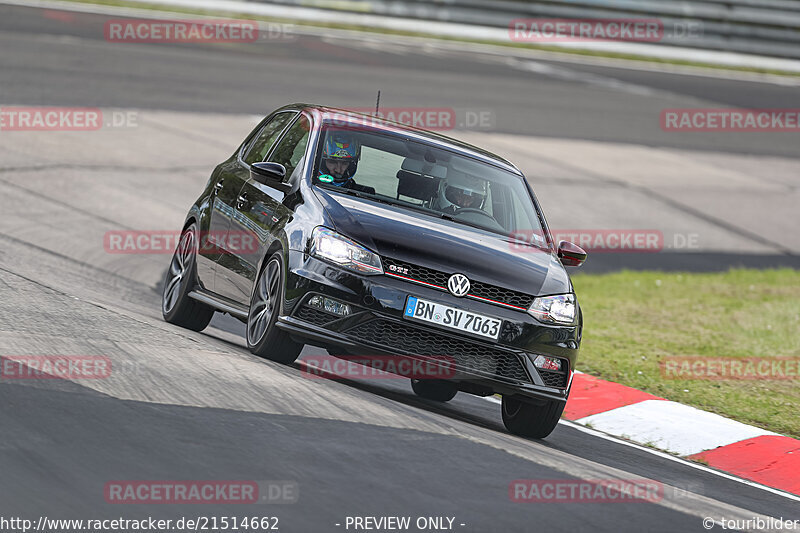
column 365, row 237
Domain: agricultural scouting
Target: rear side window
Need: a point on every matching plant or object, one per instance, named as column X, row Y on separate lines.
column 292, row 146
column 266, row 138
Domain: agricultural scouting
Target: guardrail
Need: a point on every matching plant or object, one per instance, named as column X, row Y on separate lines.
column 765, row 27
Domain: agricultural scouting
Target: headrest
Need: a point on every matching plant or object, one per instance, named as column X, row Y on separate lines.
column 416, row 186
column 424, row 168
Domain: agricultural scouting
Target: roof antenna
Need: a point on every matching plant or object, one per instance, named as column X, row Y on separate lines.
column 377, row 103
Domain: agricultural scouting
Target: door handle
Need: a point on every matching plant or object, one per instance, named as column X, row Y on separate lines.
column 218, row 186
column 241, row 200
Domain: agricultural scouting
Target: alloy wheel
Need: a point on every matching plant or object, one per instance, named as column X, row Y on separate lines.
column 178, row 269
column 265, row 301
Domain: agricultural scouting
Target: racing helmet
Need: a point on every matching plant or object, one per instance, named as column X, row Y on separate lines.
column 462, row 191
column 340, row 147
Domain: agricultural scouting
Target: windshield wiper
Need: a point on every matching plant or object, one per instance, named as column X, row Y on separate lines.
column 451, row 218
column 359, row 194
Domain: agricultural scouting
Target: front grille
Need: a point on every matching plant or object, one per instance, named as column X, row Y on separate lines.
column 436, row 277
column 553, row 379
column 418, row 341
column 315, row 316
column 499, row 294
column 419, row 273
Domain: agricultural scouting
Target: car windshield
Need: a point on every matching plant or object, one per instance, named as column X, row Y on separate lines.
column 394, row 169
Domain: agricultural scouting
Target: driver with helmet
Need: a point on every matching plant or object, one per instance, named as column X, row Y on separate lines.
column 461, row 191
column 340, row 156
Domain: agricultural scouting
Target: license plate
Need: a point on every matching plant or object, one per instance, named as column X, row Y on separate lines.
column 452, row 318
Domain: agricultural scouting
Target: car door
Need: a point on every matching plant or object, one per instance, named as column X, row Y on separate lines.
column 232, row 177
column 261, row 211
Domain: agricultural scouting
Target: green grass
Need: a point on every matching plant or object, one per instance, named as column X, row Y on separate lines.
column 366, row 29
column 633, row 320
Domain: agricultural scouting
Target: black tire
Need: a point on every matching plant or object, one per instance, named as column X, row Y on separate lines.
column 437, row 390
column 181, row 277
column 264, row 339
column 531, row 420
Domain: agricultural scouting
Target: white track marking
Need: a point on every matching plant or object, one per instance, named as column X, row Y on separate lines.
column 673, row 426
column 668, row 456
column 561, row 73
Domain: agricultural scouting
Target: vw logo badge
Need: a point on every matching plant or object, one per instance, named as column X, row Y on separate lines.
column 458, row 285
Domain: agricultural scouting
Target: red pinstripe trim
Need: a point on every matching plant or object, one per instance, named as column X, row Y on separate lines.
column 518, row 308
column 415, row 280
column 496, row 302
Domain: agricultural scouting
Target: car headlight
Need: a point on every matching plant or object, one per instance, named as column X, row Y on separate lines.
column 329, row 245
column 559, row 309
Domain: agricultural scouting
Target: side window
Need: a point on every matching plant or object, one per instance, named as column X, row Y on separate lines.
column 266, row 137
column 292, row 147
column 523, row 222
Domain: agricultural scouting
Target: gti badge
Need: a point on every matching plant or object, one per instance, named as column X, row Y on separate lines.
column 401, row 270
column 458, row 285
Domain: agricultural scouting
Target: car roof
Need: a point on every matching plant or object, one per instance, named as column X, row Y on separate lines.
column 345, row 115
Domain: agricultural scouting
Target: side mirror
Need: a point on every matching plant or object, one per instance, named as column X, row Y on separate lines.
column 570, row 254
column 271, row 175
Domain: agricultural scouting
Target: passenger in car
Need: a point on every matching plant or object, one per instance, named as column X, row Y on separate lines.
column 340, row 156
column 461, row 191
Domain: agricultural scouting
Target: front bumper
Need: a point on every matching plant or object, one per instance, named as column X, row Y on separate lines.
column 377, row 327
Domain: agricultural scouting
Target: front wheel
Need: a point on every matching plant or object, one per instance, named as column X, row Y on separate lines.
column 531, row 420
column 264, row 339
column 176, row 306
